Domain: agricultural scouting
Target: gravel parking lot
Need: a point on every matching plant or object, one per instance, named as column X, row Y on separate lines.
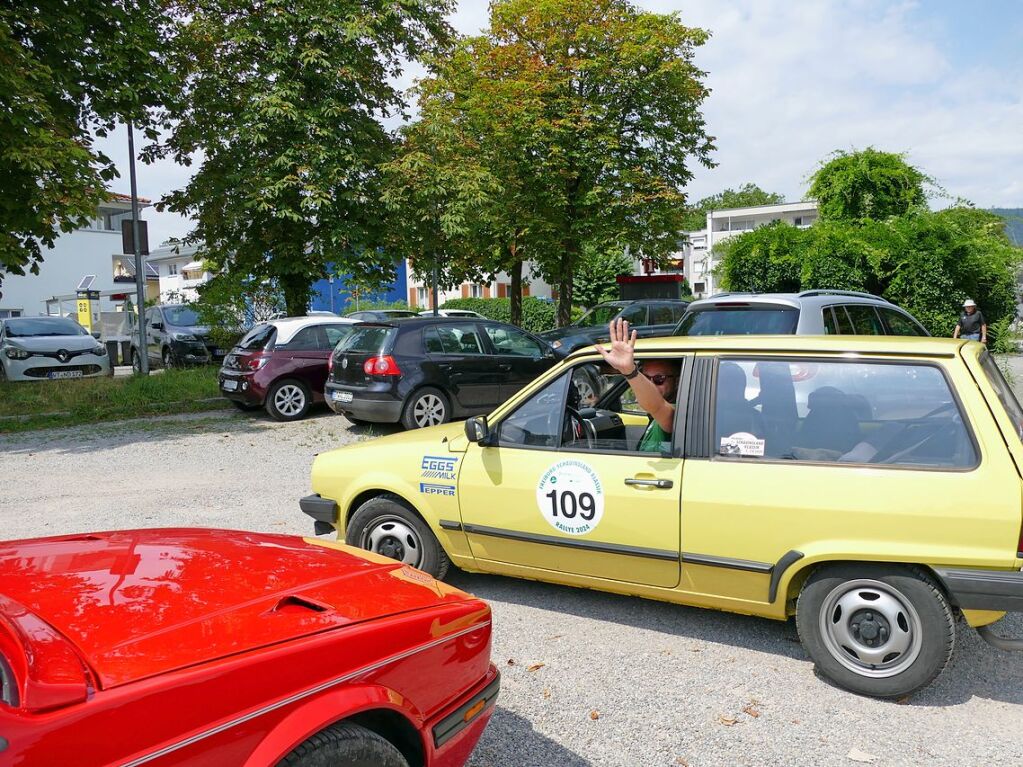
column 589, row 678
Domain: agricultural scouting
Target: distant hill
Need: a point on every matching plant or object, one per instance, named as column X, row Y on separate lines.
column 1013, row 223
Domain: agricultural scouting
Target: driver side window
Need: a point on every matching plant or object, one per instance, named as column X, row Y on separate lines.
column 537, row 422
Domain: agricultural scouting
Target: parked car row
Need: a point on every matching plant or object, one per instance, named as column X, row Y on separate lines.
column 40, row 348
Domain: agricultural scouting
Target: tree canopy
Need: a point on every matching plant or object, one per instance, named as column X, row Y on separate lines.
column 68, row 72
column 926, row 261
column 583, row 116
column 745, row 196
column 282, row 100
column 867, row 184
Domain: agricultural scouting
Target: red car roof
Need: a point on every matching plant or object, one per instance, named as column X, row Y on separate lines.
column 137, row 603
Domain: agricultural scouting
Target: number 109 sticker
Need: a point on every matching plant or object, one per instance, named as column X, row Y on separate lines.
column 570, row 497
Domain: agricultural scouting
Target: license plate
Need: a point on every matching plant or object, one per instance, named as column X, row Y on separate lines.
column 218, row 352
column 66, row 374
column 229, row 384
column 342, row 396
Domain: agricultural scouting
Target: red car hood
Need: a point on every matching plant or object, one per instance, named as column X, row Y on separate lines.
column 138, row 603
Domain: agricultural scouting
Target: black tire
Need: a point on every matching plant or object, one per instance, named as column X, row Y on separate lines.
column 288, row 400
column 345, row 744
column 426, row 407
column 851, row 615
column 168, row 358
column 245, row 406
column 387, row 526
column 136, row 362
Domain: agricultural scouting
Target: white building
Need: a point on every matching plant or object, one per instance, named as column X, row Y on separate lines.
column 89, row 255
column 698, row 252
column 180, row 273
column 420, row 291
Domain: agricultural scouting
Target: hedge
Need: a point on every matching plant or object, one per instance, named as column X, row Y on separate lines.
column 537, row 315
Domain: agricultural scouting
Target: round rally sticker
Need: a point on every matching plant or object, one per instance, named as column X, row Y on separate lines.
column 570, row 497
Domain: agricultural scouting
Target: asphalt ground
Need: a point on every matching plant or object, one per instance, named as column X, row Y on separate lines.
column 588, row 678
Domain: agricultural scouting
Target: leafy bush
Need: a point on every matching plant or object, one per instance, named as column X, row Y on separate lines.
column 537, row 315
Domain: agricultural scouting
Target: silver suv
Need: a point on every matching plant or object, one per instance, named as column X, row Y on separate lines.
column 812, row 312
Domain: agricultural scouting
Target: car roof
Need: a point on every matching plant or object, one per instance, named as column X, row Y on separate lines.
column 795, row 300
column 917, row 346
column 287, row 327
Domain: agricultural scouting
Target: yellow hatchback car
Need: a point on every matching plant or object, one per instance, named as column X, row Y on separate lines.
column 869, row 486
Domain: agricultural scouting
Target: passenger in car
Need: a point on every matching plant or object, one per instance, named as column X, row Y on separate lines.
column 735, row 414
column 655, row 385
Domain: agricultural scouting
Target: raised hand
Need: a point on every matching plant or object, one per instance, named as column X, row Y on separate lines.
column 620, row 356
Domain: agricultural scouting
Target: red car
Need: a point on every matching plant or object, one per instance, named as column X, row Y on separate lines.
column 219, row 648
column 282, row 364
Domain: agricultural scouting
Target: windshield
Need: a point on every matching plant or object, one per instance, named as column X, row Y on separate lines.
column 26, row 327
column 180, row 315
column 599, row 315
column 739, row 321
column 259, row 338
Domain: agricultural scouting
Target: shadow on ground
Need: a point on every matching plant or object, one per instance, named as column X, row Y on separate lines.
column 511, row 741
column 977, row 669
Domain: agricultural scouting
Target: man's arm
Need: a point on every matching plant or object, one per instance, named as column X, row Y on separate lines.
column 983, row 332
column 621, row 358
column 955, row 333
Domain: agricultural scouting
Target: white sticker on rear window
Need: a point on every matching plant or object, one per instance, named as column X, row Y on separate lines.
column 742, row 443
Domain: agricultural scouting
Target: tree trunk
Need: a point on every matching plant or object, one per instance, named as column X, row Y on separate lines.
column 296, row 291
column 516, row 288
column 568, row 262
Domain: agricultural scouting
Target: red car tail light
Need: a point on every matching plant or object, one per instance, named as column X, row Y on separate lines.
column 330, row 363
column 381, row 366
column 256, row 363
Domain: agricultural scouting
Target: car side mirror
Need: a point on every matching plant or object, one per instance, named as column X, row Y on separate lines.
column 96, row 334
column 478, row 430
column 157, row 326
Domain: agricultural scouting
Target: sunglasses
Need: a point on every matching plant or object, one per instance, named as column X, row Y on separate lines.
column 660, row 378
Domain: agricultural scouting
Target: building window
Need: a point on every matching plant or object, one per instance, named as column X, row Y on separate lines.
column 422, row 297
column 475, row 291
column 172, row 269
column 699, row 287
column 8, row 313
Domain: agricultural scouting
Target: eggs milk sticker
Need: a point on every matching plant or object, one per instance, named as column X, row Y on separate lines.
column 437, row 467
column 742, row 443
column 570, row 497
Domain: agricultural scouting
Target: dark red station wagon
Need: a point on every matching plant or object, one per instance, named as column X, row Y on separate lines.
column 282, row 365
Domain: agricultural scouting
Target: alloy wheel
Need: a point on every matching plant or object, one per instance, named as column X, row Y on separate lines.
column 289, row 400
column 428, row 410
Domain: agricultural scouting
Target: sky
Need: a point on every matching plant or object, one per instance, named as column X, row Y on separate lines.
column 792, row 81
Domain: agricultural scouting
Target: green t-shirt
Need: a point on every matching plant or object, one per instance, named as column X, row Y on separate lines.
column 654, row 438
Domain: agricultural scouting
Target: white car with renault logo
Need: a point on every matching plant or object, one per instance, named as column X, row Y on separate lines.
column 41, row 348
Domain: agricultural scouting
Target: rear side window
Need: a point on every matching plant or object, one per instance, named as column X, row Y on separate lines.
column 307, row 339
column 661, row 314
column 865, row 320
column 452, row 339
column 259, row 338
column 901, row 325
column 840, row 412
column 337, row 333
column 1004, row 392
column 634, row 315
column 740, row 321
column 369, row 340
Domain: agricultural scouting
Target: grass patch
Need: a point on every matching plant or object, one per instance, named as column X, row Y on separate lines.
column 25, row 406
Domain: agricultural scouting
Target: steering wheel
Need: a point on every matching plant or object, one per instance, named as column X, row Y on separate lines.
column 577, row 429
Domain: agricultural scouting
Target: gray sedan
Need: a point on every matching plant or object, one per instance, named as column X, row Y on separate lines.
column 35, row 348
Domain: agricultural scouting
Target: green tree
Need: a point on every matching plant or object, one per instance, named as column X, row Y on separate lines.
column 764, row 260
column 594, row 279
column 282, row 99
column 597, row 107
column 867, row 184
column 745, row 196
column 68, row 72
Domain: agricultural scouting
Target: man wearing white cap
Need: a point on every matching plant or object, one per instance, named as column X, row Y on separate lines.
column 972, row 326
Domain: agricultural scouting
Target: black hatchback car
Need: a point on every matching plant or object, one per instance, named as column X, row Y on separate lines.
column 428, row 370
column 649, row 317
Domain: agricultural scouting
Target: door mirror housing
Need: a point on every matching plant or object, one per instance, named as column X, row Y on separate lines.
column 478, row 430
column 157, row 326
column 96, row 334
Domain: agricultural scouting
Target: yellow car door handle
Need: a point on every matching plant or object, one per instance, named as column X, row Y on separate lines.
column 663, row 484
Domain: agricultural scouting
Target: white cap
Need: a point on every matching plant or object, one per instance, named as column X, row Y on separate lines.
column 969, row 302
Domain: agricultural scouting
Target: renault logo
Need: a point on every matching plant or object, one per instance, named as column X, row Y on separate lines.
column 63, row 355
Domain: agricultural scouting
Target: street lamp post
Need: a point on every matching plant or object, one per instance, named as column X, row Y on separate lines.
column 140, row 276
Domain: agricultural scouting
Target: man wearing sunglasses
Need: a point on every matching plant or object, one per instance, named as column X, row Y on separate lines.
column 655, row 385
